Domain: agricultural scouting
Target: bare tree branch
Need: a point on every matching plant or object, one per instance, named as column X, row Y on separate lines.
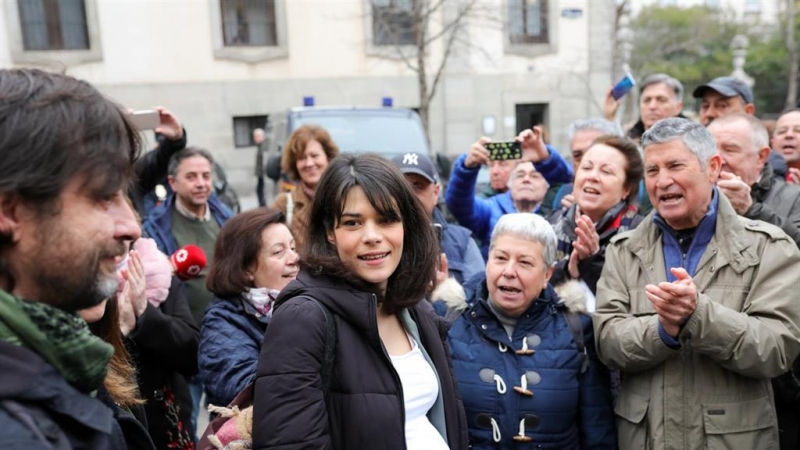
column 431, row 10
column 447, row 51
column 395, row 26
column 384, row 25
column 455, row 23
column 406, row 59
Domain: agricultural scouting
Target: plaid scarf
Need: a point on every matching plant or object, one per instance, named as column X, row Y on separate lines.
column 616, row 220
column 62, row 339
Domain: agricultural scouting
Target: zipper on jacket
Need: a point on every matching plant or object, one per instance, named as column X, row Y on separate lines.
column 396, row 377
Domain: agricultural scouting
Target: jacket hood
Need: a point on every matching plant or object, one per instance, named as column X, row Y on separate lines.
column 346, row 301
column 570, row 294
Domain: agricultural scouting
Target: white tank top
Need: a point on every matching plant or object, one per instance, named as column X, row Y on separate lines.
column 420, row 390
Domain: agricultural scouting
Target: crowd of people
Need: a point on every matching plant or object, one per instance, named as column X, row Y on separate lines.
column 639, row 296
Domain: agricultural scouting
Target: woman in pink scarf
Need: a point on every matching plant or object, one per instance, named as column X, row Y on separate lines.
column 254, row 258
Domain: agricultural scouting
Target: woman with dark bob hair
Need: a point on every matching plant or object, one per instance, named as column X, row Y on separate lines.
column 370, row 258
column 307, row 153
column 605, row 188
column 254, row 259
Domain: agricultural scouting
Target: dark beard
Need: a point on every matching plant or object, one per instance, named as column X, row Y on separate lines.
column 76, row 283
column 82, row 287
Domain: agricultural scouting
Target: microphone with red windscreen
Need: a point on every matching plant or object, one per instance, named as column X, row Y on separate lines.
column 188, row 261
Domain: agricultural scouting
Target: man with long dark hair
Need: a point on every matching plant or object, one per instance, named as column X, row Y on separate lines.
column 67, row 154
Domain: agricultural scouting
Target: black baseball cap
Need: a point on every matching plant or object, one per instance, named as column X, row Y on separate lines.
column 417, row 163
column 727, row 86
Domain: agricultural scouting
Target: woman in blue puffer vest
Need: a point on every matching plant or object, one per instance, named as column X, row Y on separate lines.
column 524, row 358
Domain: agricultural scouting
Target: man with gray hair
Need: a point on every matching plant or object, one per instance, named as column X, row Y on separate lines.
column 755, row 192
column 660, row 97
column 582, row 132
column 695, row 307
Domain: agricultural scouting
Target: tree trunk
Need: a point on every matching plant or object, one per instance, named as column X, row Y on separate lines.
column 791, row 47
column 420, row 26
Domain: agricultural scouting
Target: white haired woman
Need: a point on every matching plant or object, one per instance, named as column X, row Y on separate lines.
column 524, row 359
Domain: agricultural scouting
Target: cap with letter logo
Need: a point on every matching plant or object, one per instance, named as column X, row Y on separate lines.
column 417, row 163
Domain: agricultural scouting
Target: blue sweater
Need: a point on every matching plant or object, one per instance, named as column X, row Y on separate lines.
column 480, row 215
column 568, row 409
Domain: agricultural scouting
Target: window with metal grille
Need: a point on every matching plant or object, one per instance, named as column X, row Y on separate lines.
column 53, row 25
column 527, row 22
column 249, row 23
column 393, row 22
column 243, row 129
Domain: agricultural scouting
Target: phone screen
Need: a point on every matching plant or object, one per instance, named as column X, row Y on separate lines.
column 504, row 150
column 623, row 87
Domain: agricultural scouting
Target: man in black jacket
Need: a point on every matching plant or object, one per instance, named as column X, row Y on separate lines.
column 67, row 158
column 151, row 168
column 660, row 97
column 755, row 192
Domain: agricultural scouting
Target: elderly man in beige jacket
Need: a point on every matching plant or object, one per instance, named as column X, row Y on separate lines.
column 696, row 307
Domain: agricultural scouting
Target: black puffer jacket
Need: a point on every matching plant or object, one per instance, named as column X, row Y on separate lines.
column 365, row 408
column 164, row 347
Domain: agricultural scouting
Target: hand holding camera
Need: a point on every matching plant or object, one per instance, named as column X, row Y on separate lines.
column 533, row 147
column 478, row 155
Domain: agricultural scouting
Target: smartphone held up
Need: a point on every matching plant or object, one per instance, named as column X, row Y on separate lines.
column 146, row 119
column 505, row 150
column 623, row 86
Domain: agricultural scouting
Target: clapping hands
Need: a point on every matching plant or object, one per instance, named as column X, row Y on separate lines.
column 586, row 244
column 132, row 301
column 674, row 302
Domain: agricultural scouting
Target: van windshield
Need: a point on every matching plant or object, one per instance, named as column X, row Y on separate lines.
column 387, row 136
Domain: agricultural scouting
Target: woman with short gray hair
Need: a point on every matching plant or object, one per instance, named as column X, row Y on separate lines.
column 524, row 358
